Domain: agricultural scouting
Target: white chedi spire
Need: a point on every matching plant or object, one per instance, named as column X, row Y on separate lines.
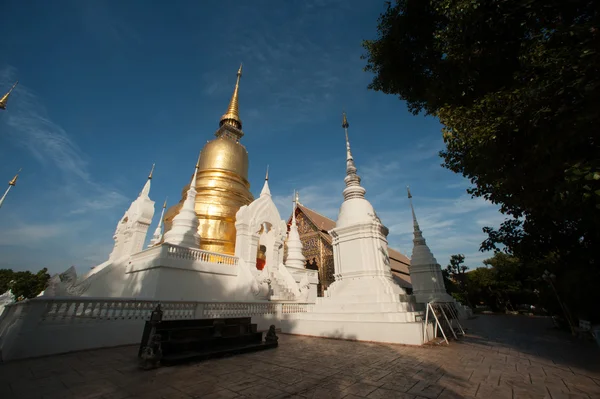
column 265, row 189
column 184, row 229
column 295, row 258
column 421, row 254
column 158, row 234
column 146, row 189
column 355, row 208
column 353, row 188
column 11, row 184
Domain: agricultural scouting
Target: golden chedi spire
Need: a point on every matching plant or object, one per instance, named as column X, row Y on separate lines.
column 4, row 98
column 232, row 116
column 13, row 182
column 222, row 185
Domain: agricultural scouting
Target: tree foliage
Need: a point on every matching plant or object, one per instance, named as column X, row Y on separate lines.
column 516, row 85
column 23, row 284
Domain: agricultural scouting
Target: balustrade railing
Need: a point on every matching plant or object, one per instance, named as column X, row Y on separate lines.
column 296, row 307
column 174, row 251
column 97, row 310
column 89, row 310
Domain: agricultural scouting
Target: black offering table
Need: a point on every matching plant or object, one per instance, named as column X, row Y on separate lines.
column 174, row 341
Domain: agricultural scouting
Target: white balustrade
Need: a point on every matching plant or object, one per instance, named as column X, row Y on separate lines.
column 175, row 251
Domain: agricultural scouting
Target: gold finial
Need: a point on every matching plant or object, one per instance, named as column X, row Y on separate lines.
column 267, row 175
column 4, row 98
column 297, row 197
column 13, row 182
column 198, row 161
column 232, row 117
column 345, row 124
column 165, row 204
column 151, row 172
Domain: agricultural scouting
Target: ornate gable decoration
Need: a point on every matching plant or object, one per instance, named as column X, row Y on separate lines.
column 305, row 226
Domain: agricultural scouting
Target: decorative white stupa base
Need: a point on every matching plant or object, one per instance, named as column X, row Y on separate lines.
column 364, row 303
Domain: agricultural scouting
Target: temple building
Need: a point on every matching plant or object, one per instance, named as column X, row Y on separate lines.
column 318, row 250
column 222, row 186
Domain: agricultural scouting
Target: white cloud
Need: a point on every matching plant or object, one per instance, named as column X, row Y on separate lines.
column 28, row 235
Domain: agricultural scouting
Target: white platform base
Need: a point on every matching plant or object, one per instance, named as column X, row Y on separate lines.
column 388, row 332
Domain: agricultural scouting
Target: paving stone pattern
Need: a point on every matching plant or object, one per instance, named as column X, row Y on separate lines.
column 502, row 357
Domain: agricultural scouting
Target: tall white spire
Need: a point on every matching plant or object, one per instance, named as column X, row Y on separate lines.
column 11, row 184
column 295, row 258
column 265, row 189
column 184, row 230
column 353, row 188
column 158, row 234
column 146, row 190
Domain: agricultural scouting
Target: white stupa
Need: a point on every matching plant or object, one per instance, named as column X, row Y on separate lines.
column 158, row 233
column 184, row 230
column 131, row 230
column 295, row 258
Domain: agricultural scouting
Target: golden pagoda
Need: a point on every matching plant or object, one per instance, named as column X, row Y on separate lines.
column 222, row 183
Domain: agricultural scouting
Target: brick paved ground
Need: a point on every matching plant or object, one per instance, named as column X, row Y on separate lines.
column 502, row 357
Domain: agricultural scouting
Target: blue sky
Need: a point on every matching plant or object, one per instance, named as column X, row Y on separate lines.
column 107, row 88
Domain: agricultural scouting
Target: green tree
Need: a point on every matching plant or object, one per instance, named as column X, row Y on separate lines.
column 24, row 283
column 515, row 84
column 456, row 273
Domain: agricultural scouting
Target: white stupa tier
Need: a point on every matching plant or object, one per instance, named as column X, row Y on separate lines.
column 158, row 233
column 425, row 271
column 295, row 258
column 131, row 231
column 363, row 302
column 184, row 230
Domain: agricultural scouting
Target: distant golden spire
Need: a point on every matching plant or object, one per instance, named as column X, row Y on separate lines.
column 345, row 124
column 232, row 117
column 151, row 172
column 4, row 98
column 165, row 204
column 13, row 182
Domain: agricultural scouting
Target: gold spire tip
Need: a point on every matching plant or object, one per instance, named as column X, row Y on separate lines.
column 345, row 124
column 4, row 98
column 165, row 204
column 232, row 117
column 267, row 175
column 13, row 182
column 198, row 161
column 151, row 172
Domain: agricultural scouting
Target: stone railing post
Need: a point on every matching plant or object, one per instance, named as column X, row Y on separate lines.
column 199, row 311
column 279, row 312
